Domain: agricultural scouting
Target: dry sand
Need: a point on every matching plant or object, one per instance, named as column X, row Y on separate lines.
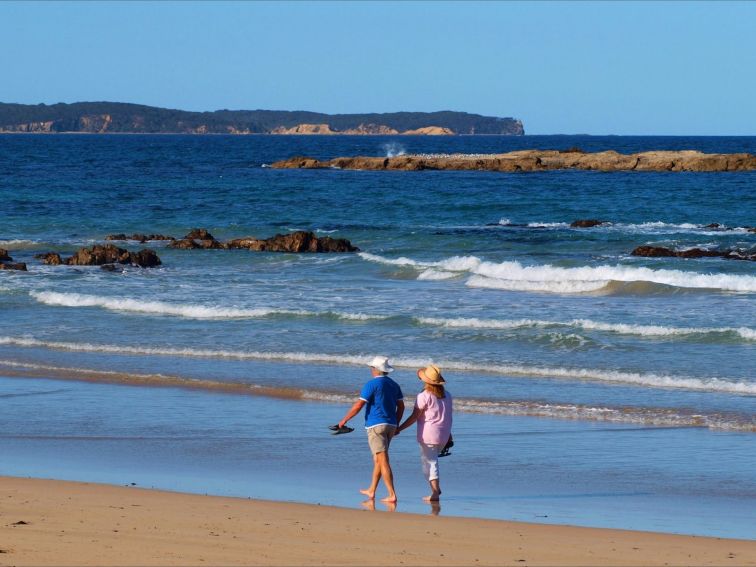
column 68, row 523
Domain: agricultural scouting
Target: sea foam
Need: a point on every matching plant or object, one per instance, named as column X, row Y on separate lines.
column 651, row 380
column 587, row 324
column 189, row 311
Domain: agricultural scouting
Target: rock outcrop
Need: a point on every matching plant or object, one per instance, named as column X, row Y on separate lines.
column 20, row 266
column 663, row 252
column 537, row 160
column 99, row 255
column 296, row 242
column 50, row 258
column 197, row 238
column 4, row 255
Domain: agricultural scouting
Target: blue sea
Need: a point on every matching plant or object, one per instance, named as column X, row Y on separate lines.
column 591, row 387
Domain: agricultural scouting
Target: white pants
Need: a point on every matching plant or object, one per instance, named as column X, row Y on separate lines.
column 429, row 460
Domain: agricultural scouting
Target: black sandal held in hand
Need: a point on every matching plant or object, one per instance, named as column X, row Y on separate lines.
column 339, row 430
column 445, row 452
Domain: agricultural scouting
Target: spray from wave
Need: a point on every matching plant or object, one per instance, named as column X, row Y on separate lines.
column 394, row 149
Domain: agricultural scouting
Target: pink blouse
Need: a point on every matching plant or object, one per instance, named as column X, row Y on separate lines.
column 434, row 421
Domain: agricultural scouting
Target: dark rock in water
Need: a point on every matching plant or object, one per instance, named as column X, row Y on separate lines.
column 208, row 244
column 700, row 253
column 191, row 244
column 4, row 257
column 139, row 237
column 184, row 244
column 98, row 255
column 197, row 238
column 247, row 243
column 20, row 266
column 109, row 267
column 751, row 228
column 713, row 225
column 295, row 242
column 588, row 223
column 51, row 258
column 662, row 252
column 145, row 258
column 653, row 252
column 302, row 241
column 199, row 234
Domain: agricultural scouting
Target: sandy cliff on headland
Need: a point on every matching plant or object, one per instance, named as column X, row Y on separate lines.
column 362, row 129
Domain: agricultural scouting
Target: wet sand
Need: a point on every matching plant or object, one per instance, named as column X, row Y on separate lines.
column 48, row 522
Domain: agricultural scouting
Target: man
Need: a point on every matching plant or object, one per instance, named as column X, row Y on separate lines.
column 384, row 406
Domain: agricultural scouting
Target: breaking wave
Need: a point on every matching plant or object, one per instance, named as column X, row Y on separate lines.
column 587, row 324
column 513, row 276
column 18, row 244
column 506, row 369
column 179, row 310
column 666, row 417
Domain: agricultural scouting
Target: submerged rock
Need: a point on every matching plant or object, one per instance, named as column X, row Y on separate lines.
column 663, row 252
column 20, row 266
column 138, row 237
column 587, row 223
column 4, row 257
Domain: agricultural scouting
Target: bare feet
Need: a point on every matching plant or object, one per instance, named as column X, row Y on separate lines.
column 432, row 498
column 389, row 499
column 367, row 493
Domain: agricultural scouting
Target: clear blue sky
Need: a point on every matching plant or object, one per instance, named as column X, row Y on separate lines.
column 562, row 67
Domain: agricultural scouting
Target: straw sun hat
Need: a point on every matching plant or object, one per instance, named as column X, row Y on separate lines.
column 431, row 375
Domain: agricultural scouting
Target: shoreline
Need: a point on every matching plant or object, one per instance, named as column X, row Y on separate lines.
column 80, row 523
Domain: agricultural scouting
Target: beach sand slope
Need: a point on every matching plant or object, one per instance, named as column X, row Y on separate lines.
column 45, row 522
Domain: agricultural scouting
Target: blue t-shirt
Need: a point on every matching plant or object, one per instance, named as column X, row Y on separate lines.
column 381, row 394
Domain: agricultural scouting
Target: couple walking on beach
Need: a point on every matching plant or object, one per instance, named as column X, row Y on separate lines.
column 383, row 401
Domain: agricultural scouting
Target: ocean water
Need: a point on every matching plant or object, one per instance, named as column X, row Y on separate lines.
column 576, row 367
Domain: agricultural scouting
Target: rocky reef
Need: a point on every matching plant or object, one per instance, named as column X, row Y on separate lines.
column 663, row 252
column 296, row 242
column 101, row 255
column 537, row 160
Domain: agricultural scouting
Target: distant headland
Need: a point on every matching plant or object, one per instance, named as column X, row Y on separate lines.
column 125, row 118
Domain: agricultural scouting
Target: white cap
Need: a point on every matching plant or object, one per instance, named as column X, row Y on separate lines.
column 381, row 363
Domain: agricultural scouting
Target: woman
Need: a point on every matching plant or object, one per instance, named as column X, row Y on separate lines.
column 433, row 414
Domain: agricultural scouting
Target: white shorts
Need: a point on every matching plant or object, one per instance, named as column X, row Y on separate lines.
column 429, row 460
